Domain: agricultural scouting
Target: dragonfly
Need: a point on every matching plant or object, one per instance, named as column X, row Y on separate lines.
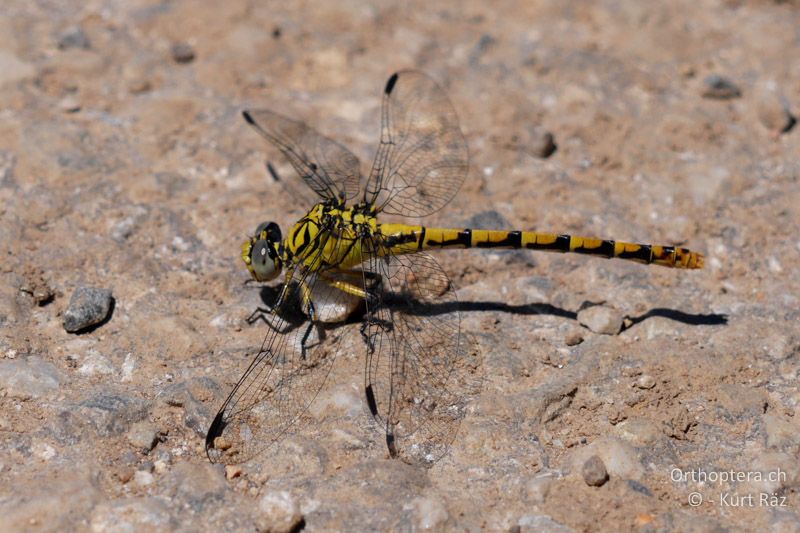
column 421, row 370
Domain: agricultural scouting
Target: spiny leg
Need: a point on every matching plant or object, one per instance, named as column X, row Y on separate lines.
column 261, row 313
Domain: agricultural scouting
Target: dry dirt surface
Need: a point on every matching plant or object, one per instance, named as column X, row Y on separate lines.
column 616, row 396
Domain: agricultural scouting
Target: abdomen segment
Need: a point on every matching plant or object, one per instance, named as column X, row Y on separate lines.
column 409, row 239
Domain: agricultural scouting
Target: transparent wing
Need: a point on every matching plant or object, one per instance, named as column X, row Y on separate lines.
column 330, row 169
column 420, row 372
column 422, row 158
column 282, row 380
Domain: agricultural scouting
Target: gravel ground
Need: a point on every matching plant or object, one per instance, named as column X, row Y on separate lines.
column 615, row 396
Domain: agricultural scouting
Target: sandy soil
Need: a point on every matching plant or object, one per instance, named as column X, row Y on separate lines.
column 125, row 165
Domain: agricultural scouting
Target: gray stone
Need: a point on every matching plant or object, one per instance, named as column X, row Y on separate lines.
column 194, row 395
column 73, row 38
column 28, row 378
column 601, row 319
column 196, row 486
column 143, row 478
column 594, row 472
column 110, row 414
column 720, row 88
column 779, row 346
column 87, row 306
column 143, row 435
column 537, row 489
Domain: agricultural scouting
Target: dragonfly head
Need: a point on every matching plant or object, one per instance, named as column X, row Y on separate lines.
column 261, row 252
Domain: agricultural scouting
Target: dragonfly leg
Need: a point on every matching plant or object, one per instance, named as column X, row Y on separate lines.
column 311, row 313
column 261, row 313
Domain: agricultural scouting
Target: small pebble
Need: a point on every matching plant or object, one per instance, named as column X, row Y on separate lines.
column 687, row 71
column 69, row 104
column 164, row 456
column 124, row 474
column 160, row 466
column 182, row 53
column 542, row 143
column 594, row 472
column 720, row 88
column 280, row 512
column 87, row 307
column 143, row 478
column 232, row 471
column 139, row 86
column 779, row 347
column 601, row 319
column 73, row 38
column 537, row 489
column 773, row 111
column 619, row 458
column 639, row 431
column 573, row 338
column 220, row 443
column 646, row 381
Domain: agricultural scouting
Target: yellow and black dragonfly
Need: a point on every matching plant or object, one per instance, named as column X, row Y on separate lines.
column 418, row 365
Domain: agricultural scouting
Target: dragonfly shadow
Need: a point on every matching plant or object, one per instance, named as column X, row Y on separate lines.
column 291, row 313
column 413, row 306
column 692, row 319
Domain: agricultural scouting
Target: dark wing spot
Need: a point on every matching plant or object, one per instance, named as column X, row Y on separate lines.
column 373, row 407
column 390, row 83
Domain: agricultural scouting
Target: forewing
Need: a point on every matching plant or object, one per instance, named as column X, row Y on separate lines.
column 282, row 380
column 420, row 372
column 422, row 158
column 330, row 169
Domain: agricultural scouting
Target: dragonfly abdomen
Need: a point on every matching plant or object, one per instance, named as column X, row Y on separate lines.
column 409, row 239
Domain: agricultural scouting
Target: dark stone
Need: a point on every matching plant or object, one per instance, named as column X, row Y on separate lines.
column 720, row 88
column 182, row 53
column 111, row 414
column 88, row 306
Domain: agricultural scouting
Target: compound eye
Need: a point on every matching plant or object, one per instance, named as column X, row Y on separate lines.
column 264, row 265
column 272, row 229
column 261, row 227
